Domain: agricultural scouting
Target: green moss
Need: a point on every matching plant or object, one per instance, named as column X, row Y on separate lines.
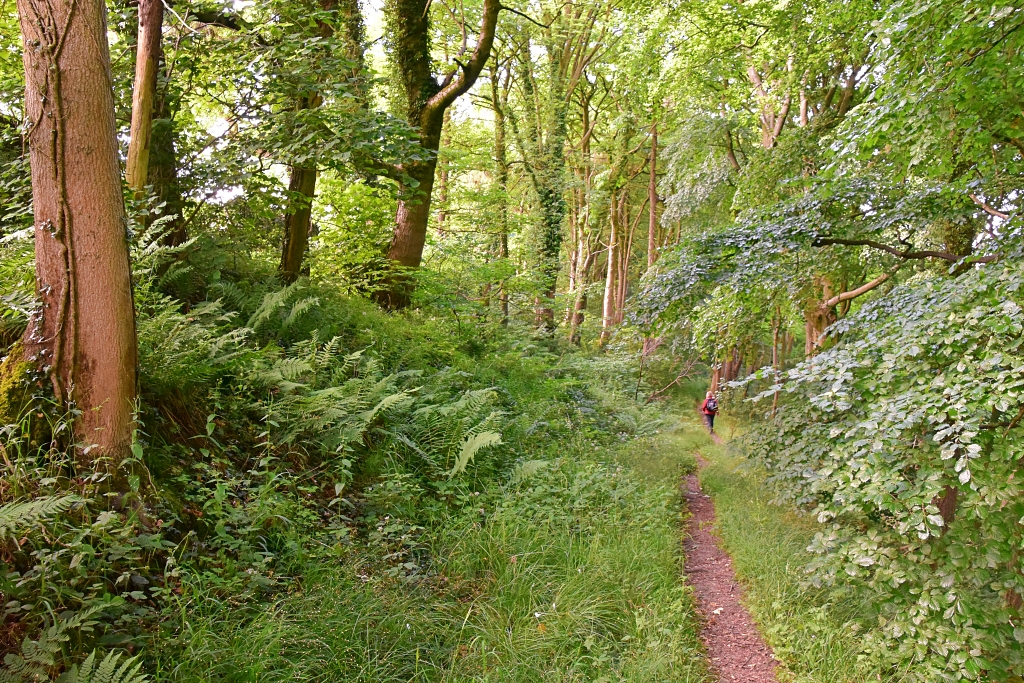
column 15, row 389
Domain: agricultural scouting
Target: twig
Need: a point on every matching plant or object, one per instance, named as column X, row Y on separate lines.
column 988, row 209
column 527, row 17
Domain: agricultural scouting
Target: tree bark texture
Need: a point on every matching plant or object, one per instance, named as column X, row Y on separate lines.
column 83, row 335
column 147, row 61
column 163, row 170
column 817, row 318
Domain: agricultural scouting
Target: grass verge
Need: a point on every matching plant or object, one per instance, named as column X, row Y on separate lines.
column 816, row 633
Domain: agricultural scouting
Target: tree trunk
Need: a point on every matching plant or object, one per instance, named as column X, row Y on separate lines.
column 817, row 318
column 410, row 234
column 501, row 176
column 84, row 332
column 503, row 293
column 302, row 182
column 608, row 308
column 652, row 198
column 622, row 264
column 730, row 152
column 426, row 102
column 579, row 305
column 442, row 175
column 163, row 171
column 579, row 309
column 734, row 365
column 947, row 506
column 151, row 21
column 355, row 41
column 301, row 188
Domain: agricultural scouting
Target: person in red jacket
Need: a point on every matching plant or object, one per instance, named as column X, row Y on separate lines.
column 710, row 409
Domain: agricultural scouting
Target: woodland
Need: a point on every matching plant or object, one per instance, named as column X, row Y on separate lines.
column 355, row 341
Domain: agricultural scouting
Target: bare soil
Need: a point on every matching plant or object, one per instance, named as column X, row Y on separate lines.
column 735, row 647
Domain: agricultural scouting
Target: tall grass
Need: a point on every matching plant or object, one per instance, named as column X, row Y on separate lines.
column 568, row 572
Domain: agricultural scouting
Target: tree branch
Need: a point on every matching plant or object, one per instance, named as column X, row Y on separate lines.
column 527, row 17
column 863, row 289
column 730, row 152
column 780, row 120
column 988, row 209
column 903, row 254
column 471, row 70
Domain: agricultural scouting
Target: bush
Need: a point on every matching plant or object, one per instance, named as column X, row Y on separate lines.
column 904, row 437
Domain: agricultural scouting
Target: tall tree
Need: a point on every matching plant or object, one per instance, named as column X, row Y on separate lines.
column 334, row 14
column 152, row 157
column 426, row 100
column 84, row 332
column 652, row 200
column 572, row 40
column 499, row 101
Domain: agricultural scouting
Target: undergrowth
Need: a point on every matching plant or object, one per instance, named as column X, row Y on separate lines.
column 321, row 491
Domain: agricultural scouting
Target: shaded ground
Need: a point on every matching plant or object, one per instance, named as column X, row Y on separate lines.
column 735, row 647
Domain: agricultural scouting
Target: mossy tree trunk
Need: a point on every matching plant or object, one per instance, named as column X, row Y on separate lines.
column 426, row 100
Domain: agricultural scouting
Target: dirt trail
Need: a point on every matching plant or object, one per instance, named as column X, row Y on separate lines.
column 735, row 647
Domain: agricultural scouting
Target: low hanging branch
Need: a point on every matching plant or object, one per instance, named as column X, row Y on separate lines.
column 863, row 289
column 906, row 254
column 685, row 372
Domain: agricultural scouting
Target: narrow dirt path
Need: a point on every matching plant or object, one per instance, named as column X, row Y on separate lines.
column 735, row 647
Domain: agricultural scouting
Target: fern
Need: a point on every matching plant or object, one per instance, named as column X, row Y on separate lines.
column 284, row 374
column 298, row 309
column 231, row 293
column 107, row 671
column 383, row 405
column 470, row 447
column 527, row 470
column 39, row 657
column 16, row 517
column 273, row 302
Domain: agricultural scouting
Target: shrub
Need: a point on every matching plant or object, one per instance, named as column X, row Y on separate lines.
column 904, row 437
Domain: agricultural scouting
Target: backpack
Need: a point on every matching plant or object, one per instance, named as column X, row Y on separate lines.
column 711, row 405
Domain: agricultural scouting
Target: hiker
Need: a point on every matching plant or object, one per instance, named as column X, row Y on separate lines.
column 710, row 409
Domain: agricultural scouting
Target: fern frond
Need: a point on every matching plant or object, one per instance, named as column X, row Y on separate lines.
column 272, row 301
column 39, row 656
column 470, row 447
column 528, row 469
column 16, row 517
column 298, row 308
column 111, row 669
column 286, row 370
column 383, row 405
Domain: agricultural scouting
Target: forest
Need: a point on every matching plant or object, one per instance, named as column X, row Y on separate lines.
column 370, row 341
